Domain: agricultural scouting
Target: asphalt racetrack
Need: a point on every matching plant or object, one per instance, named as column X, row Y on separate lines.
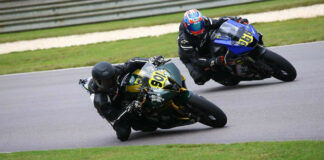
column 49, row 110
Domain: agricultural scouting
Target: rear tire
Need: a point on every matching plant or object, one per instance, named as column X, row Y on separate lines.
column 209, row 113
column 283, row 70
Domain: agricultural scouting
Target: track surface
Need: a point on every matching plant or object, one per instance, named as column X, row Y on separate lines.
column 49, row 110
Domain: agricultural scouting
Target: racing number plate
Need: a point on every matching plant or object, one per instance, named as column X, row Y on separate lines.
column 245, row 39
column 157, row 79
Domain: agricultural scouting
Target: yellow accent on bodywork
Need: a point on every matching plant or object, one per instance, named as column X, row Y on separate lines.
column 184, row 118
column 183, row 78
column 137, row 83
column 133, row 88
column 137, row 72
column 174, row 105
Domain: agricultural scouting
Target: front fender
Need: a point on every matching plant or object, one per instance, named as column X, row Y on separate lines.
column 259, row 51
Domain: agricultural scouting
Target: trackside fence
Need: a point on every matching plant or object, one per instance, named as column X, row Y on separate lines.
column 21, row 15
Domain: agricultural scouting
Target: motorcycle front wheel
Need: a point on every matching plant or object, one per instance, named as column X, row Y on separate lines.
column 209, row 113
column 282, row 69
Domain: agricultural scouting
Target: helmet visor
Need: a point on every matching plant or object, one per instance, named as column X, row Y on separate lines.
column 105, row 83
column 196, row 28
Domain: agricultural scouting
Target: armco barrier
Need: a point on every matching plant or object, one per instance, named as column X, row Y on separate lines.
column 21, row 15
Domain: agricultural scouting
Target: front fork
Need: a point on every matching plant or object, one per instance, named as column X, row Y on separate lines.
column 184, row 98
column 260, row 65
column 255, row 63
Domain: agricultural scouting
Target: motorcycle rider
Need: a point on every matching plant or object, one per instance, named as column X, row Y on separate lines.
column 197, row 50
column 105, row 88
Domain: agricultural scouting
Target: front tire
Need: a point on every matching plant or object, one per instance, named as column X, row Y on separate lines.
column 282, row 69
column 209, row 113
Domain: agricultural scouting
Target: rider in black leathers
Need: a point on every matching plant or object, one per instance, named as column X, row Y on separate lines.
column 107, row 92
column 198, row 52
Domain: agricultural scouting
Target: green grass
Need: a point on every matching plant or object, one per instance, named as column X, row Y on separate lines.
column 276, row 33
column 292, row 150
column 155, row 20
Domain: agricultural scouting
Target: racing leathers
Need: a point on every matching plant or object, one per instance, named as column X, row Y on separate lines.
column 200, row 55
column 110, row 105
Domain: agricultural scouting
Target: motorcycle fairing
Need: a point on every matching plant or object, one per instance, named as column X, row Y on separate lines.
column 237, row 37
column 173, row 72
column 154, row 78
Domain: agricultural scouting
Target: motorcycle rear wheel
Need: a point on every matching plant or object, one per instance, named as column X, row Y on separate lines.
column 283, row 70
column 209, row 113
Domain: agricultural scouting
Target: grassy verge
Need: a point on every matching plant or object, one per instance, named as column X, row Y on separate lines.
column 297, row 150
column 155, row 20
column 276, row 33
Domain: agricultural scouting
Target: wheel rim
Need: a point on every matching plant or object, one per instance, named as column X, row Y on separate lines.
column 211, row 117
column 284, row 73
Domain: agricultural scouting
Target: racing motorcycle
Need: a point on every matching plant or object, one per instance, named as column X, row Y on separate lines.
column 253, row 61
column 164, row 101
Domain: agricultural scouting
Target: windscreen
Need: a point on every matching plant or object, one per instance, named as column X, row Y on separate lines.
column 230, row 32
column 153, row 77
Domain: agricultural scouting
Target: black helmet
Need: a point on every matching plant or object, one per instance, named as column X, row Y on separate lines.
column 103, row 74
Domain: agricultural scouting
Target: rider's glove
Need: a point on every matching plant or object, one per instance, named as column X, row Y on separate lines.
column 241, row 20
column 244, row 21
column 217, row 61
column 237, row 19
column 134, row 106
column 156, row 98
column 157, row 60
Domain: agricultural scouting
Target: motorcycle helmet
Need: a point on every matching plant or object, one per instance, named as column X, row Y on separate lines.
column 194, row 22
column 103, row 74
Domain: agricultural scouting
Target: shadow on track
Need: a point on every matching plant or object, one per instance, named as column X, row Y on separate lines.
column 160, row 133
column 240, row 86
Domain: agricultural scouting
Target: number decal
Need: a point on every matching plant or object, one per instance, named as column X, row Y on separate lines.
column 156, row 84
column 245, row 39
column 157, row 79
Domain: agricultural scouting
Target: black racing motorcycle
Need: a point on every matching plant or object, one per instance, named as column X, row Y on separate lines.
column 252, row 60
column 163, row 100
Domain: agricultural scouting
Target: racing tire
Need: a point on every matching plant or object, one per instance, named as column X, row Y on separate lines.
column 282, row 69
column 209, row 113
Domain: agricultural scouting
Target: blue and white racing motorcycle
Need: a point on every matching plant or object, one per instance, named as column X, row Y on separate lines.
column 252, row 61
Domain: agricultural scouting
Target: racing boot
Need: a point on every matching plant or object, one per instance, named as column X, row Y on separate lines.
column 122, row 128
